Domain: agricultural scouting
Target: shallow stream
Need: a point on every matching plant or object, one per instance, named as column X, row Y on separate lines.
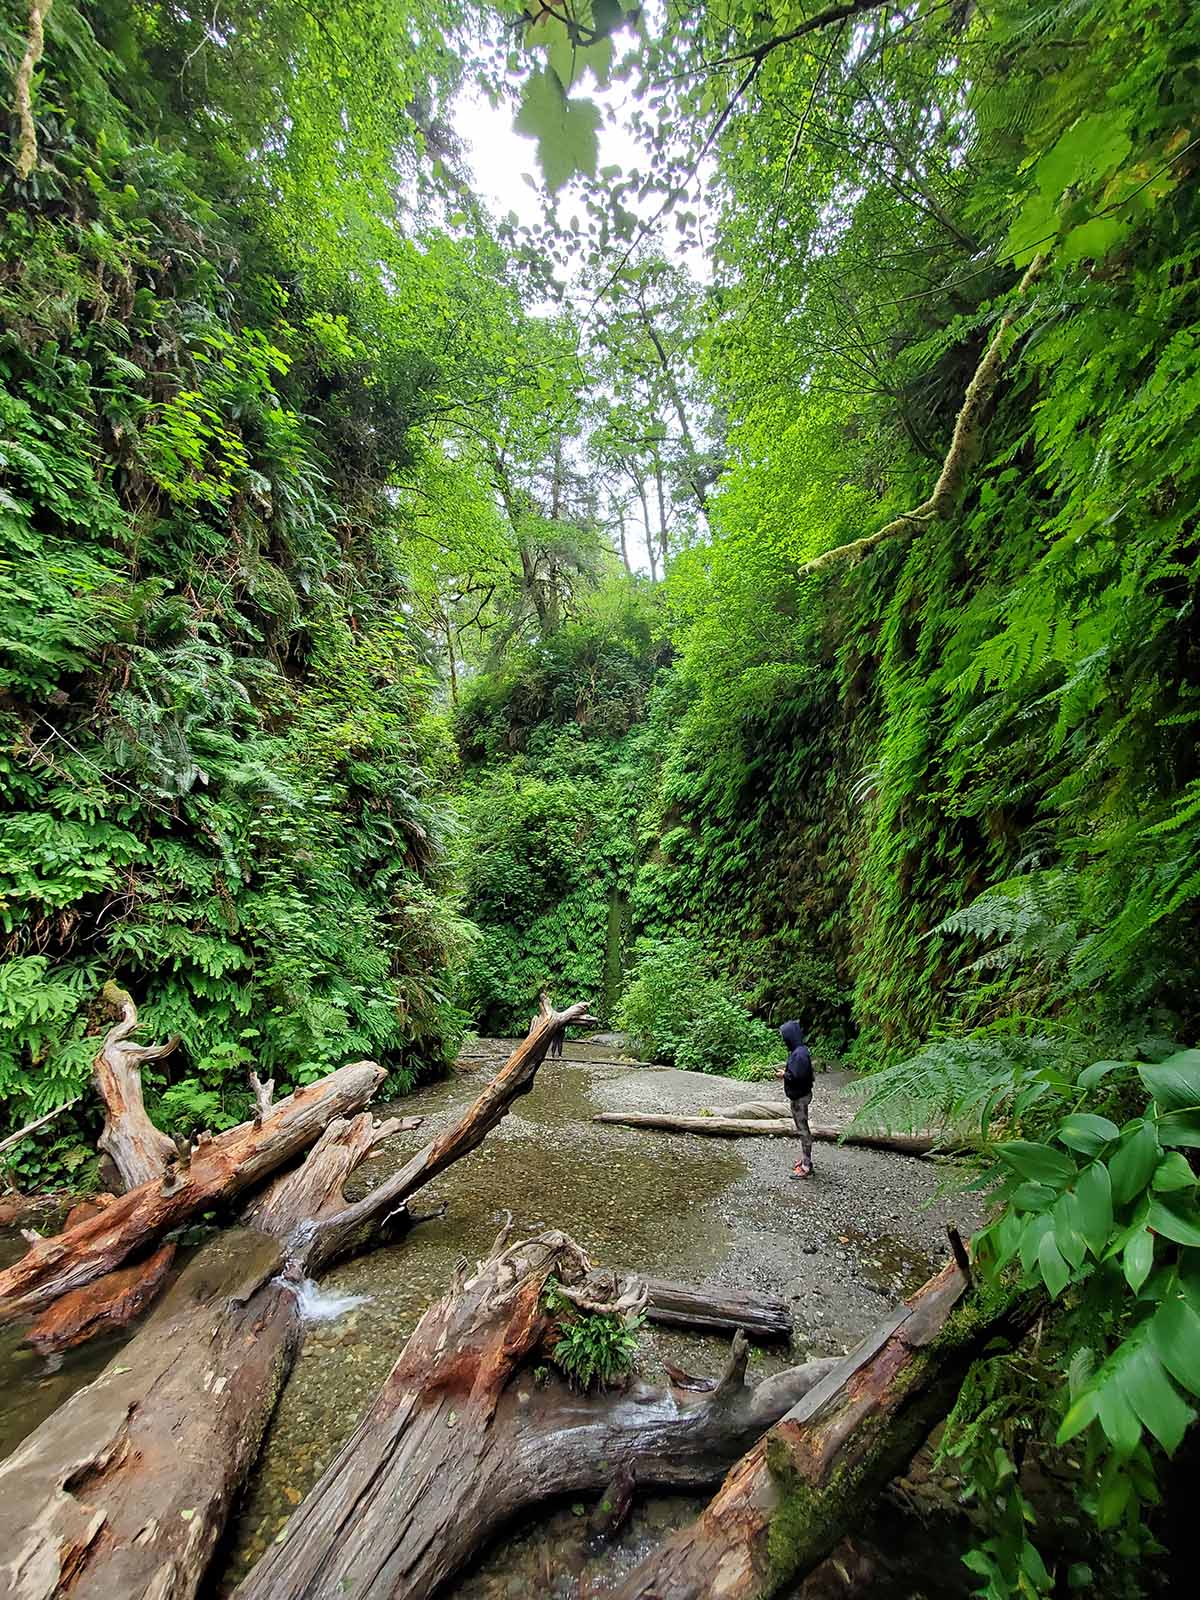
column 844, row 1246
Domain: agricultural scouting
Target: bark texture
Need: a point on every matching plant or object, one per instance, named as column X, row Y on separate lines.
column 805, row 1484
column 103, row 1306
column 219, row 1169
column 763, row 1318
column 460, row 1410
column 139, row 1151
column 757, row 1125
column 125, row 1489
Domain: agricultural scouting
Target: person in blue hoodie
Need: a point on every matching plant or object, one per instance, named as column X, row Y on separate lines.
column 798, row 1086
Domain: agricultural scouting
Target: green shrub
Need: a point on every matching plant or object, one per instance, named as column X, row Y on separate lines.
column 593, row 1349
column 675, row 1010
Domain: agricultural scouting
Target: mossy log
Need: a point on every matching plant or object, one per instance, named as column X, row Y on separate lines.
column 124, row 1491
column 805, row 1484
column 465, row 1408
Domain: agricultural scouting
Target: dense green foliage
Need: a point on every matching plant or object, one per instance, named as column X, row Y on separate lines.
column 322, row 630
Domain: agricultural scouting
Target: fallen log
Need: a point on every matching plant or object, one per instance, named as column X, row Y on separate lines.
column 103, row 1306
column 908, row 1144
column 125, row 1490
column 218, row 1169
column 763, row 1318
column 805, row 1484
column 462, row 1407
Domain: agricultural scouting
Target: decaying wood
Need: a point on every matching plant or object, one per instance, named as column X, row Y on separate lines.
column 763, row 1318
column 461, row 1410
column 224, row 1167
column 139, row 1151
column 124, row 1491
column 796, row 1493
column 103, row 1306
column 721, row 1126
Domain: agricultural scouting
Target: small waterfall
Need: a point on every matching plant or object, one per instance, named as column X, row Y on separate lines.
column 321, row 1305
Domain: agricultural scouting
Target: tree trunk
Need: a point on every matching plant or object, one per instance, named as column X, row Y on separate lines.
column 124, row 1491
column 908, row 1144
column 763, row 1318
column 797, row 1492
column 463, row 1408
column 102, row 1306
column 219, row 1168
column 139, row 1151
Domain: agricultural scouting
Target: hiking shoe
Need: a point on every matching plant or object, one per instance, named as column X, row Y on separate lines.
column 800, row 1171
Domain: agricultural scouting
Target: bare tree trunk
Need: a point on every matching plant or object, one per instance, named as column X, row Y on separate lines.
column 662, row 510
column 805, row 1484
column 624, row 542
column 219, row 1168
column 138, row 1150
column 650, row 547
column 461, row 1408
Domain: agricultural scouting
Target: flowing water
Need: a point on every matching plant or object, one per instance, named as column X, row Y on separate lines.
column 844, row 1247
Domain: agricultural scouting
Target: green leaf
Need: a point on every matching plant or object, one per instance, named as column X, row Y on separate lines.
column 1173, row 1173
column 566, row 130
column 1055, row 1272
column 1038, row 1162
column 1117, row 1417
column 1175, row 1082
column 1091, row 1076
column 1034, row 1230
column 1153, row 1397
column 1084, row 1412
column 1087, row 1133
column 1033, row 1197
column 1180, row 1128
column 1067, row 1235
column 1092, row 240
column 1176, row 1221
column 1138, row 1258
column 1091, row 148
column 1175, row 1335
column 1094, row 1213
column 1134, row 1162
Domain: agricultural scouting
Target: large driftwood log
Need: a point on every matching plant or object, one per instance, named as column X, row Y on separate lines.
column 763, row 1318
column 139, row 1151
column 804, row 1485
column 722, row 1126
column 461, row 1410
column 218, row 1170
column 125, row 1489
column 338, row 1234
column 103, row 1306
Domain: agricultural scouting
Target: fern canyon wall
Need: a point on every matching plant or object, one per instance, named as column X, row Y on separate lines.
column 686, row 511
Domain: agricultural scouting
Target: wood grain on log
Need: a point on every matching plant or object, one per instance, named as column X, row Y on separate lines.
column 793, row 1496
column 224, row 1167
column 461, row 1409
column 763, row 1318
column 908, row 1144
column 103, row 1306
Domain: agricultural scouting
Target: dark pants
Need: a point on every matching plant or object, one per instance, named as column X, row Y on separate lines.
column 800, row 1117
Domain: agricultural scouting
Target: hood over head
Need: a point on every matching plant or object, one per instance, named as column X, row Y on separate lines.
column 792, row 1034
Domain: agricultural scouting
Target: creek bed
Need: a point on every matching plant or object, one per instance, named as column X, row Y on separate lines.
column 843, row 1247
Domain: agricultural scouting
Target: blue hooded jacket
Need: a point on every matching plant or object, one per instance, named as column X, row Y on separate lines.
column 798, row 1074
